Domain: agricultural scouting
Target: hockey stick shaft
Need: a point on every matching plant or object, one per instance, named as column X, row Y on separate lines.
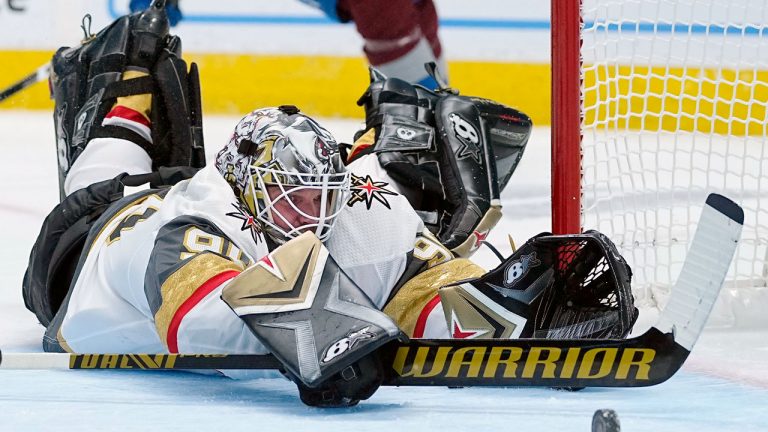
column 38, row 75
column 642, row 361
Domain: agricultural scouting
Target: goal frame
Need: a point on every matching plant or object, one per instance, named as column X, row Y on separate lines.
column 566, row 24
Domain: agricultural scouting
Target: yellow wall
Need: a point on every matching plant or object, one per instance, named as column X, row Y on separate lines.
column 705, row 100
column 319, row 85
column 15, row 66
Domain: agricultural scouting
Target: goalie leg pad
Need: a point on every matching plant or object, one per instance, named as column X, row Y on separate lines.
column 312, row 317
column 78, row 79
column 87, row 80
column 482, row 142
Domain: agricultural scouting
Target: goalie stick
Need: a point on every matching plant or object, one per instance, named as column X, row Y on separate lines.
column 645, row 360
column 38, row 75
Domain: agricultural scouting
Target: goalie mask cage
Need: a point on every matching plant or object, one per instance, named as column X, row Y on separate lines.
column 657, row 103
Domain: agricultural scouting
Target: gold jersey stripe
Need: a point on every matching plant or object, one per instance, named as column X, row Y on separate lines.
column 409, row 301
column 366, row 140
column 184, row 282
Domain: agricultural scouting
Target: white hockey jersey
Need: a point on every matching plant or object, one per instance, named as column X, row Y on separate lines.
column 157, row 261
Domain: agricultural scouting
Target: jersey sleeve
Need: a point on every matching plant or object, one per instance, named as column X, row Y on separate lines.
column 192, row 260
column 414, row 303
column 373, row 237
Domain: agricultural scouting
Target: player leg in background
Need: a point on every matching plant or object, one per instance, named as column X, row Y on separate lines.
column 400, row 36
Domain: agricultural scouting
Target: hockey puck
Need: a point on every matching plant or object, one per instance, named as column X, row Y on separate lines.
column 605, row 420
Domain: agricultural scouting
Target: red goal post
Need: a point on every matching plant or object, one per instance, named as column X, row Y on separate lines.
column 566, row 116
column 655, row 104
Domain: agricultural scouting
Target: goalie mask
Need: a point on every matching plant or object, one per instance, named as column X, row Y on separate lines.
column 286, row 170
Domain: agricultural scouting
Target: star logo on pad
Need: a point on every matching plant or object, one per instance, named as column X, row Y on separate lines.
column 480, row 237
column 267, row 264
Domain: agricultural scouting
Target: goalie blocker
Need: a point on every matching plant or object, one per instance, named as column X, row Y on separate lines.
column 315, row 320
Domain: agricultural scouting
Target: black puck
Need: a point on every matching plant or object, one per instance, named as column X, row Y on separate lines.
column 605, row 420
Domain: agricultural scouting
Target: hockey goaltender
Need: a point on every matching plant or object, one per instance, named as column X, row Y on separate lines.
column 291, row 244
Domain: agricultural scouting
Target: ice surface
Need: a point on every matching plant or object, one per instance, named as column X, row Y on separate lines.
column 723, row 386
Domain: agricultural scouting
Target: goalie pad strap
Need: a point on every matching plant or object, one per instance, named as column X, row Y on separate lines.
column 129, row 87
column 479, row 232
column 110, row 131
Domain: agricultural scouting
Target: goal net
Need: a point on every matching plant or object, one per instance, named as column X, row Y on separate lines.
column 656, row 104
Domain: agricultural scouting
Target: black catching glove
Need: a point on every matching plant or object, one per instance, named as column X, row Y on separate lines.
column 558, row 287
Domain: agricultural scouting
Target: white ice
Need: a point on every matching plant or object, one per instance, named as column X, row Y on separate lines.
column 722, row 387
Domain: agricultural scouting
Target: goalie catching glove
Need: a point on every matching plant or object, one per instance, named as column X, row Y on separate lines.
column 453, row 154
column 133, row 63
column 553, row 287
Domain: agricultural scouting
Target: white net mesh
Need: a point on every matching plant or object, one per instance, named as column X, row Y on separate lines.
column 675, row 106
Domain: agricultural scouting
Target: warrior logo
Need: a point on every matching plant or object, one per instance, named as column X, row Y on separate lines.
column 518, row 269
column 364, row 189
column 468, row 136
column 346, row 343
column 406, row 134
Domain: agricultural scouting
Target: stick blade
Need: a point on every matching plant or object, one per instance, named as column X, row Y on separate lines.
column 704, row 270
column 727, row 207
